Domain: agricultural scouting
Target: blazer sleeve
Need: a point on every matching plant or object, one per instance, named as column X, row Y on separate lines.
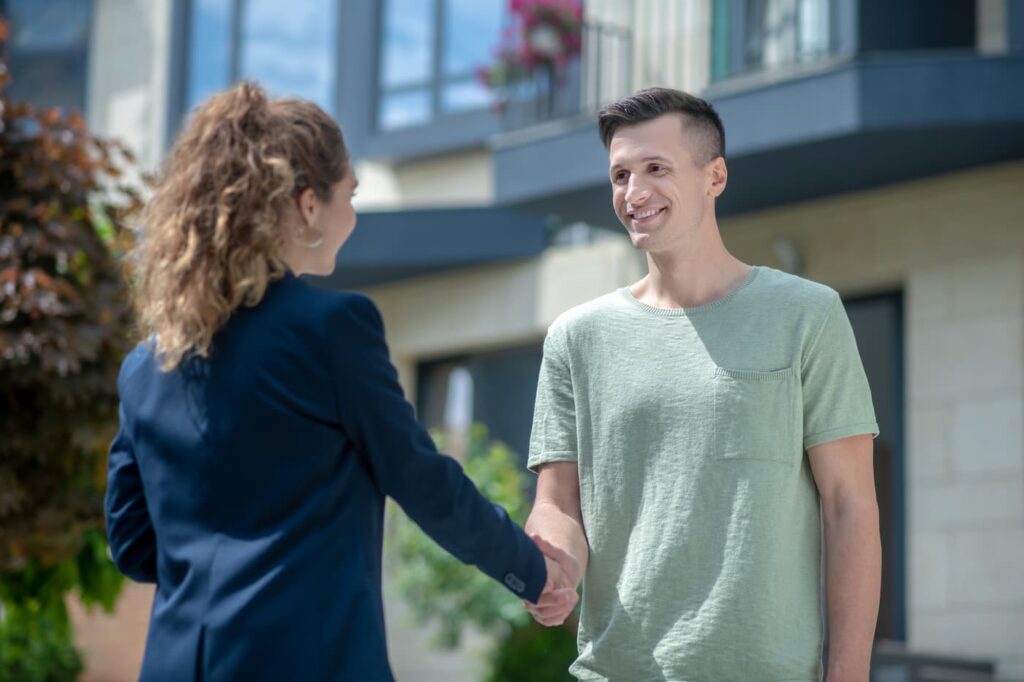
column 129, row 527
column 430, row 487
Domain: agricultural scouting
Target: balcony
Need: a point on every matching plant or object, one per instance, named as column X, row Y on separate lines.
column 602, row 73
column 798, row 90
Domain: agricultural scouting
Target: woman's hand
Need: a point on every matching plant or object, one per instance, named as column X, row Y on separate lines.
column 559, row 596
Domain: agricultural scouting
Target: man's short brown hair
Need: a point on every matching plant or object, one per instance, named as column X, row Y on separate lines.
column 698, row 116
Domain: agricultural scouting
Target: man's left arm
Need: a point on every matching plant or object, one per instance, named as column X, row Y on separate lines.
column 844, row 474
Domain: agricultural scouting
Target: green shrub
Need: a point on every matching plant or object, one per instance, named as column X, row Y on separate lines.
column 439, row 588
column 442, row 591
column 35, row 633
column 535, row 653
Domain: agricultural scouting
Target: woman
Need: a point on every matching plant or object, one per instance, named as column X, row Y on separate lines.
column 262, row 423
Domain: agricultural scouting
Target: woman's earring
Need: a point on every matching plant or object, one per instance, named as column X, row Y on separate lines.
column 301, row 240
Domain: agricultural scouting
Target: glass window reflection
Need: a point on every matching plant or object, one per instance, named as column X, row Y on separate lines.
column 472, row 31
column 48, row 24
column 209, row 57
column 291, row 51
column 428, row 70
column 408, row 42
column 465, row 96
column 48, row 49
column 404, row 109
column 814, row 28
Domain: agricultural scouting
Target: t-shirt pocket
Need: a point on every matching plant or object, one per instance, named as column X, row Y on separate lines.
column 756, row 415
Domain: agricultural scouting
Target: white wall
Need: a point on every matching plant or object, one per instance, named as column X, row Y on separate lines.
column 501, row 305
column 462, row 179
column 966, row 469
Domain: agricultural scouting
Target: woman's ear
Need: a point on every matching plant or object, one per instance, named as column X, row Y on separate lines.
column 308, row 205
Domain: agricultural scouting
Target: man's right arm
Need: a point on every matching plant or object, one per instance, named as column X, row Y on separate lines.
column 558, row 520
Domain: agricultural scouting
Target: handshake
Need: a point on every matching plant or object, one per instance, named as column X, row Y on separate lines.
column 559, row 597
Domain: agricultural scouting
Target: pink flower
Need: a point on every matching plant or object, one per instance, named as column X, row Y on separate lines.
column 542, row 34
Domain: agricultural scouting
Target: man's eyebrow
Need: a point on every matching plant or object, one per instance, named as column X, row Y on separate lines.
column 646, row 159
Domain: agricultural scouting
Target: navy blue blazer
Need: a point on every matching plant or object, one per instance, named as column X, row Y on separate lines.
column 250, row 488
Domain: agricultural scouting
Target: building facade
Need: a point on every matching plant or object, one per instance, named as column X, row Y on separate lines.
column 877, row 147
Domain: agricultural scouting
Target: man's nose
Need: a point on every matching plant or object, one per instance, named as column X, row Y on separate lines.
column 636, row 194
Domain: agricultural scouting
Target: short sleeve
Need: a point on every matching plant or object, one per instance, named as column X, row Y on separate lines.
column 836, row 396
column 553, row 438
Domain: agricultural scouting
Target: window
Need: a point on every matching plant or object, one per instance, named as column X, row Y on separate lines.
column 757, row 35
column 430, row 50
column 780, row 32
column 290, row 50
column 48, row 51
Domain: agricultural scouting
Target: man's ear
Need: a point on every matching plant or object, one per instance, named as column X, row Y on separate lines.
column 718, row 176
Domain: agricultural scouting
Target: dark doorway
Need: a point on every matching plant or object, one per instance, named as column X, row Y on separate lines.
column 878, row 325
column 495, row 388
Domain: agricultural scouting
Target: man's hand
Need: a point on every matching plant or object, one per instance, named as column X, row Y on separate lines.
column 559, row 596
column 556, row 525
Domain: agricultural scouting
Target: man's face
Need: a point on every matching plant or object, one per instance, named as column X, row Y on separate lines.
column 659, row 191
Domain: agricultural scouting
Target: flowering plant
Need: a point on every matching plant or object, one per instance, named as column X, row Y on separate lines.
column 544, row 34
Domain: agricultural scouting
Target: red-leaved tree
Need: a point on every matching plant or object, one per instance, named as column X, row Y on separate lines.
column 64, row 328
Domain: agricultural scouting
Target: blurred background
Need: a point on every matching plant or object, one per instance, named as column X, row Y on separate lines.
column 875, row 146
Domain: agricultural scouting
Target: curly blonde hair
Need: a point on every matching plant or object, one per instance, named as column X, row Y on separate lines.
column 214, row 231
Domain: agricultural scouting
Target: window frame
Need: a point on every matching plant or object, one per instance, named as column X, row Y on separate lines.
column 358, row 54
column 181, row 67
column 79, row 59
column 444, row 131
column 730, row 61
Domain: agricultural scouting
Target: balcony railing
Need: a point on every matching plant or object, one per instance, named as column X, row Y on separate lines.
column 601, row 73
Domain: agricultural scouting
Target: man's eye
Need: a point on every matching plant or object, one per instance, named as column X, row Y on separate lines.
column 619, row 177
column 657, row 168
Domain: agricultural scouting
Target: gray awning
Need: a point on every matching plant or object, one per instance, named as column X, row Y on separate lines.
column 392, row 245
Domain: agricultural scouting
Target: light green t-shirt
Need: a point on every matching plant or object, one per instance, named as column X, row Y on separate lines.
column 689, row 427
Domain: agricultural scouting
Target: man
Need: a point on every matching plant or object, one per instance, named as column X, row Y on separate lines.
column 693, row 431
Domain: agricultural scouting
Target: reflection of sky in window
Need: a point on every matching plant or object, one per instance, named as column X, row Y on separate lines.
column 404, row 109
column 472, row 30
column 814, row 33
column 49, row 24
column 408, row 42
column 209, row 57
column 290, row 48
column 53, row 80
column 464, row 96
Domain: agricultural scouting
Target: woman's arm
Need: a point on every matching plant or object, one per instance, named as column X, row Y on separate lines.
column 430, row 487
column 129, row 528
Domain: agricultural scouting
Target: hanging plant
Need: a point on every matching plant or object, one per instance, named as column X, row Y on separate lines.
column 544, row 35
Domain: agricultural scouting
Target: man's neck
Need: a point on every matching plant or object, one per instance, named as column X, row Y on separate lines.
column 692, row 276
